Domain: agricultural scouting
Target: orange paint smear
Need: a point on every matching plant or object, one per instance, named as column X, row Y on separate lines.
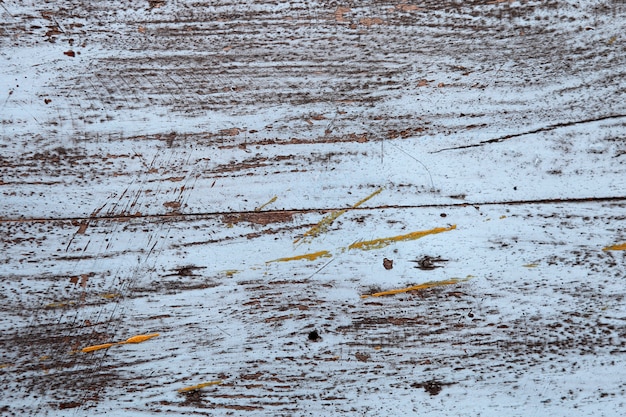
column 199, row 386
column 139, row 338
column 616, row 247
column 424, row 286
column 386, row 241
column 325, row 223
column 135, row 339
column 97, row 347
column 308, row 256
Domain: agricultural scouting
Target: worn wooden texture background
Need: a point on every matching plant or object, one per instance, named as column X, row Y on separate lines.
column 142, row 144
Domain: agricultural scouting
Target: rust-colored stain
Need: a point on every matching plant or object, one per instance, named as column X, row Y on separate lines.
column 386, row 241
column 199, row 386
column 339, row 14
column 404, row 7
column 621, row 246
column 135, row 339
column 325, row 223
column 370, row 21
column 308, row 256
column 82, row 228
column 424, row 286
column 175, row 205
column 83, row 280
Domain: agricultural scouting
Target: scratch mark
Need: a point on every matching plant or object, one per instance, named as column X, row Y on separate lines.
column 320, row 270
column 530, row 132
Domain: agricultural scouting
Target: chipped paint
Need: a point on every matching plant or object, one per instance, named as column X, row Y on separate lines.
column 386, row 241
column 424, row 286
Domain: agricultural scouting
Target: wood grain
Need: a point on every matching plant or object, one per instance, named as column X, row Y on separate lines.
column 155, row 156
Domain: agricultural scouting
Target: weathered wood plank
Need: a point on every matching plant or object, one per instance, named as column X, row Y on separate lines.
column 202, row 170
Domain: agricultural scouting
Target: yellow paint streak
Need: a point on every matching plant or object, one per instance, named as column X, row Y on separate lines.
column 231, row 272
column 308, row 256
column 266, row 204
column 621, row 246
column 199, row 386
column 375, row 193
column 424, row 286
column 135, row 339
column 110, row 295
column 531, row 265
column 325, row 223
column 139, row 338
column 5, row 365
column 97, row 347
column 59, row 304
column 386, row 241
column 321, row 227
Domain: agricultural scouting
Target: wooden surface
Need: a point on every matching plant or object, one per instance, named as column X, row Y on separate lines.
column 157, row 156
